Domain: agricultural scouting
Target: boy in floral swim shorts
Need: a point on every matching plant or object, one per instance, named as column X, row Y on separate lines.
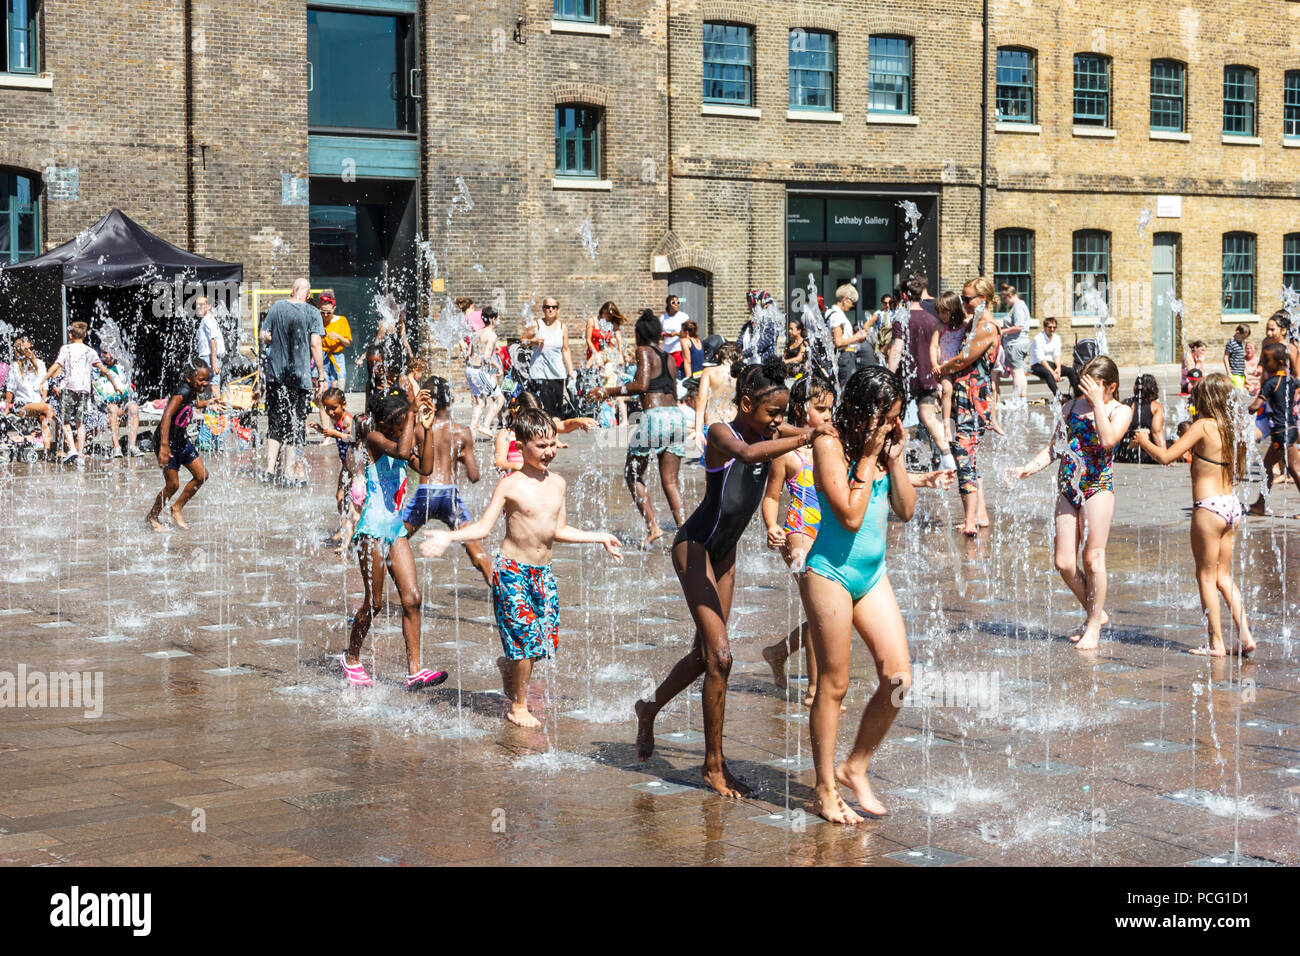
column 524, row 594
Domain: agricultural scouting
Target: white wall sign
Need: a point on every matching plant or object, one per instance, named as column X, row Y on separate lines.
column 1169, row 207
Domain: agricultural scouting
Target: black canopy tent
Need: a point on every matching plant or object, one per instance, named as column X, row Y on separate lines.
column 120, row 270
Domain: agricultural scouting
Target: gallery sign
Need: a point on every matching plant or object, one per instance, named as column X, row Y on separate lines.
column 852, row 219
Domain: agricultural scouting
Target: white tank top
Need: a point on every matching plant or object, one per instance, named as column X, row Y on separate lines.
column 548, row 355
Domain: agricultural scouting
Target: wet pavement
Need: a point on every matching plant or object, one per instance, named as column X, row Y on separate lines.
column 228, row 737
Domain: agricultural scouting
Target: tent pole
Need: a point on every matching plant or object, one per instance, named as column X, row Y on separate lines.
column 64, row 290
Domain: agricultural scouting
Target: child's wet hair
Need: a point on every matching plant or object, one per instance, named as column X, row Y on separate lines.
column 803, row 393
column 1212, row 398
column 532, row 423
column 1148, row 389
column 440, row 389
column 728, row 353
column 648, row 328
column 757, row 381
column 1277, row 352
column 193, row 366
column 522, row 401
column 77, row 331
column 336, row 394
column 1103, row 369
column 949, row 304
column 391, row 408
column 868, row 396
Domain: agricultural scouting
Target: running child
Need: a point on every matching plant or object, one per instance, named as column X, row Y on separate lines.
column 77, row 359
column 812, row 399
column 860, row 476
column 336, row 422
column 381, row 539
column 437, row 495
column 1091, row 425
column 1279, row 394
column 507, row 456
column 1219, row 462
column 524, row 595
column 736, row 460
column 174, row 446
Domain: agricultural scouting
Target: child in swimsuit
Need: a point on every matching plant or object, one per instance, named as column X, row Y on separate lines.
column 508, row 457
column 381, row 540
column 1090, row 427
column 174, row 446
column 860, row 476
column 736, row 464
column 1280, row 394
column 336, row 423
column 1219, row 460
column 524, row 594
column 811, row 400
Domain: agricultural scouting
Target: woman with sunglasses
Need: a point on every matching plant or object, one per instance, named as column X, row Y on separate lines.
column 552, row 362
column 972, row 371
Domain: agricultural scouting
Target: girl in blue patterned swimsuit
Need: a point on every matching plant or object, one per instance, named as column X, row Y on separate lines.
column 1085, row 440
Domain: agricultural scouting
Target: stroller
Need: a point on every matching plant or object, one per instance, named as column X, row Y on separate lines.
column 20, row 438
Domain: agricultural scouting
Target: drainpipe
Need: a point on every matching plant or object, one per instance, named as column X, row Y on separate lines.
column 668, row 103
column 189, row 125
column 984, row 137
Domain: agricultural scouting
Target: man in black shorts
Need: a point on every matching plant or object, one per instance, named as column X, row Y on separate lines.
column 292, row 333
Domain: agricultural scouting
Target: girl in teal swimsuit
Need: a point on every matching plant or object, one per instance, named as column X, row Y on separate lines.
column 860, row 476
column 1085, row 438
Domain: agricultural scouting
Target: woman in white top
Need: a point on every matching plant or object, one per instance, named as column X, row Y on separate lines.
column 24, row 390
column 1045, row 358
column 846, row 340
column 552, row 363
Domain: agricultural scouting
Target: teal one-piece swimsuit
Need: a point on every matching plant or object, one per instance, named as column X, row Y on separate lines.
column 854, row 560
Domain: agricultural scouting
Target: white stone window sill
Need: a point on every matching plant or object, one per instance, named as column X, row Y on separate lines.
column 1094, row 132
column 1291, row 142
column 1238, row 318
column 893, row 119
column 1170, row 136
column 1033, row 129
column 591, row 185
column 814, row 116
column 741, row 112
column 1091, row 321
column 26, row 81
column 582, row 27
column 1231, row 140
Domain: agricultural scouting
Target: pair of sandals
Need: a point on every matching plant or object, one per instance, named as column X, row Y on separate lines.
column 357, row 676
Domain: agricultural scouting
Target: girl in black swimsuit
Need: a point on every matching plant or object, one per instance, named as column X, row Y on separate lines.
column 736, row 460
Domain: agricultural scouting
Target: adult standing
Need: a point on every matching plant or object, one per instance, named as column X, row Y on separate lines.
column 671, row 321
column 909, row 357
column 692, row 349
column 552, row 362
column 1015, row 340
column 1045, row 359
column 604, row 331
column 338, row 336
column 661, row 428
column 483, row 375
column 1149, row 415
column 842, row 334
column 972, row 371
column 210, row 342
column 292, row 333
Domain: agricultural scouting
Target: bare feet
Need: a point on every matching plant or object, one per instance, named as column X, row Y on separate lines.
column 1207, row 651
column 997, row 427
column 1089, row 639
column 176, row 516
column 724, row 783
column 735, row 781
column 519, row 715
column 828, row 805
column 645, row 730
column 857, row 782
column 1246, row 646
column 153, row 522
column 776, row 660
column 1078, row 632
column 651, row 537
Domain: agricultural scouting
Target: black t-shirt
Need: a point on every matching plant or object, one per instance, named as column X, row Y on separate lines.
column 1280, row 393
column 181, row 418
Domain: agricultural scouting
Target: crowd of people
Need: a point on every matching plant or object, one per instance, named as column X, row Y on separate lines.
column 825, row 431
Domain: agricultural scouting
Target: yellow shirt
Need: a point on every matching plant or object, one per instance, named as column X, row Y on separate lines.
column 334, row 350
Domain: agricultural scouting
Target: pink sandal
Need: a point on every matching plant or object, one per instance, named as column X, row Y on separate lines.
column 425, row 678
column 356, row 674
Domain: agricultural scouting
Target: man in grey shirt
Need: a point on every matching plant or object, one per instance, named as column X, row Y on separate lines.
column 292, row 334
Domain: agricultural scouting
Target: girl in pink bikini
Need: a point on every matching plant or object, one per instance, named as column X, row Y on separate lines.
column 1218, row 460
column 1090, row 427
column 508, row 457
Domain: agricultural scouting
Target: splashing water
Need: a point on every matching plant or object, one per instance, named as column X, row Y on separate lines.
column 913, row 216
column 1144, row 219
column 1092, row 301
column 821, row 344
column 759, row 337
column 589, row 240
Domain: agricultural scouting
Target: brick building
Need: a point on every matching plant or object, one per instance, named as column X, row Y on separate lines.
column 616, row 149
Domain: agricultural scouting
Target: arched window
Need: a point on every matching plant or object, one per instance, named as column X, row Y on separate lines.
column 1168, row 96
column 889, row 74
column 1239, row 97
column 1238, row 272
column 1015, row 85
column 812, row 70
column 1013, row 262
column 729, row 64
column 1091, row 90
column 20, row 216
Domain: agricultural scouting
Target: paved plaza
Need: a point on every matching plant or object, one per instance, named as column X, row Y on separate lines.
column 228, row 737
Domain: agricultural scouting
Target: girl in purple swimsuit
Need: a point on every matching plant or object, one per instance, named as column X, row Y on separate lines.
column 1085, row 440
column 1218, row 461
